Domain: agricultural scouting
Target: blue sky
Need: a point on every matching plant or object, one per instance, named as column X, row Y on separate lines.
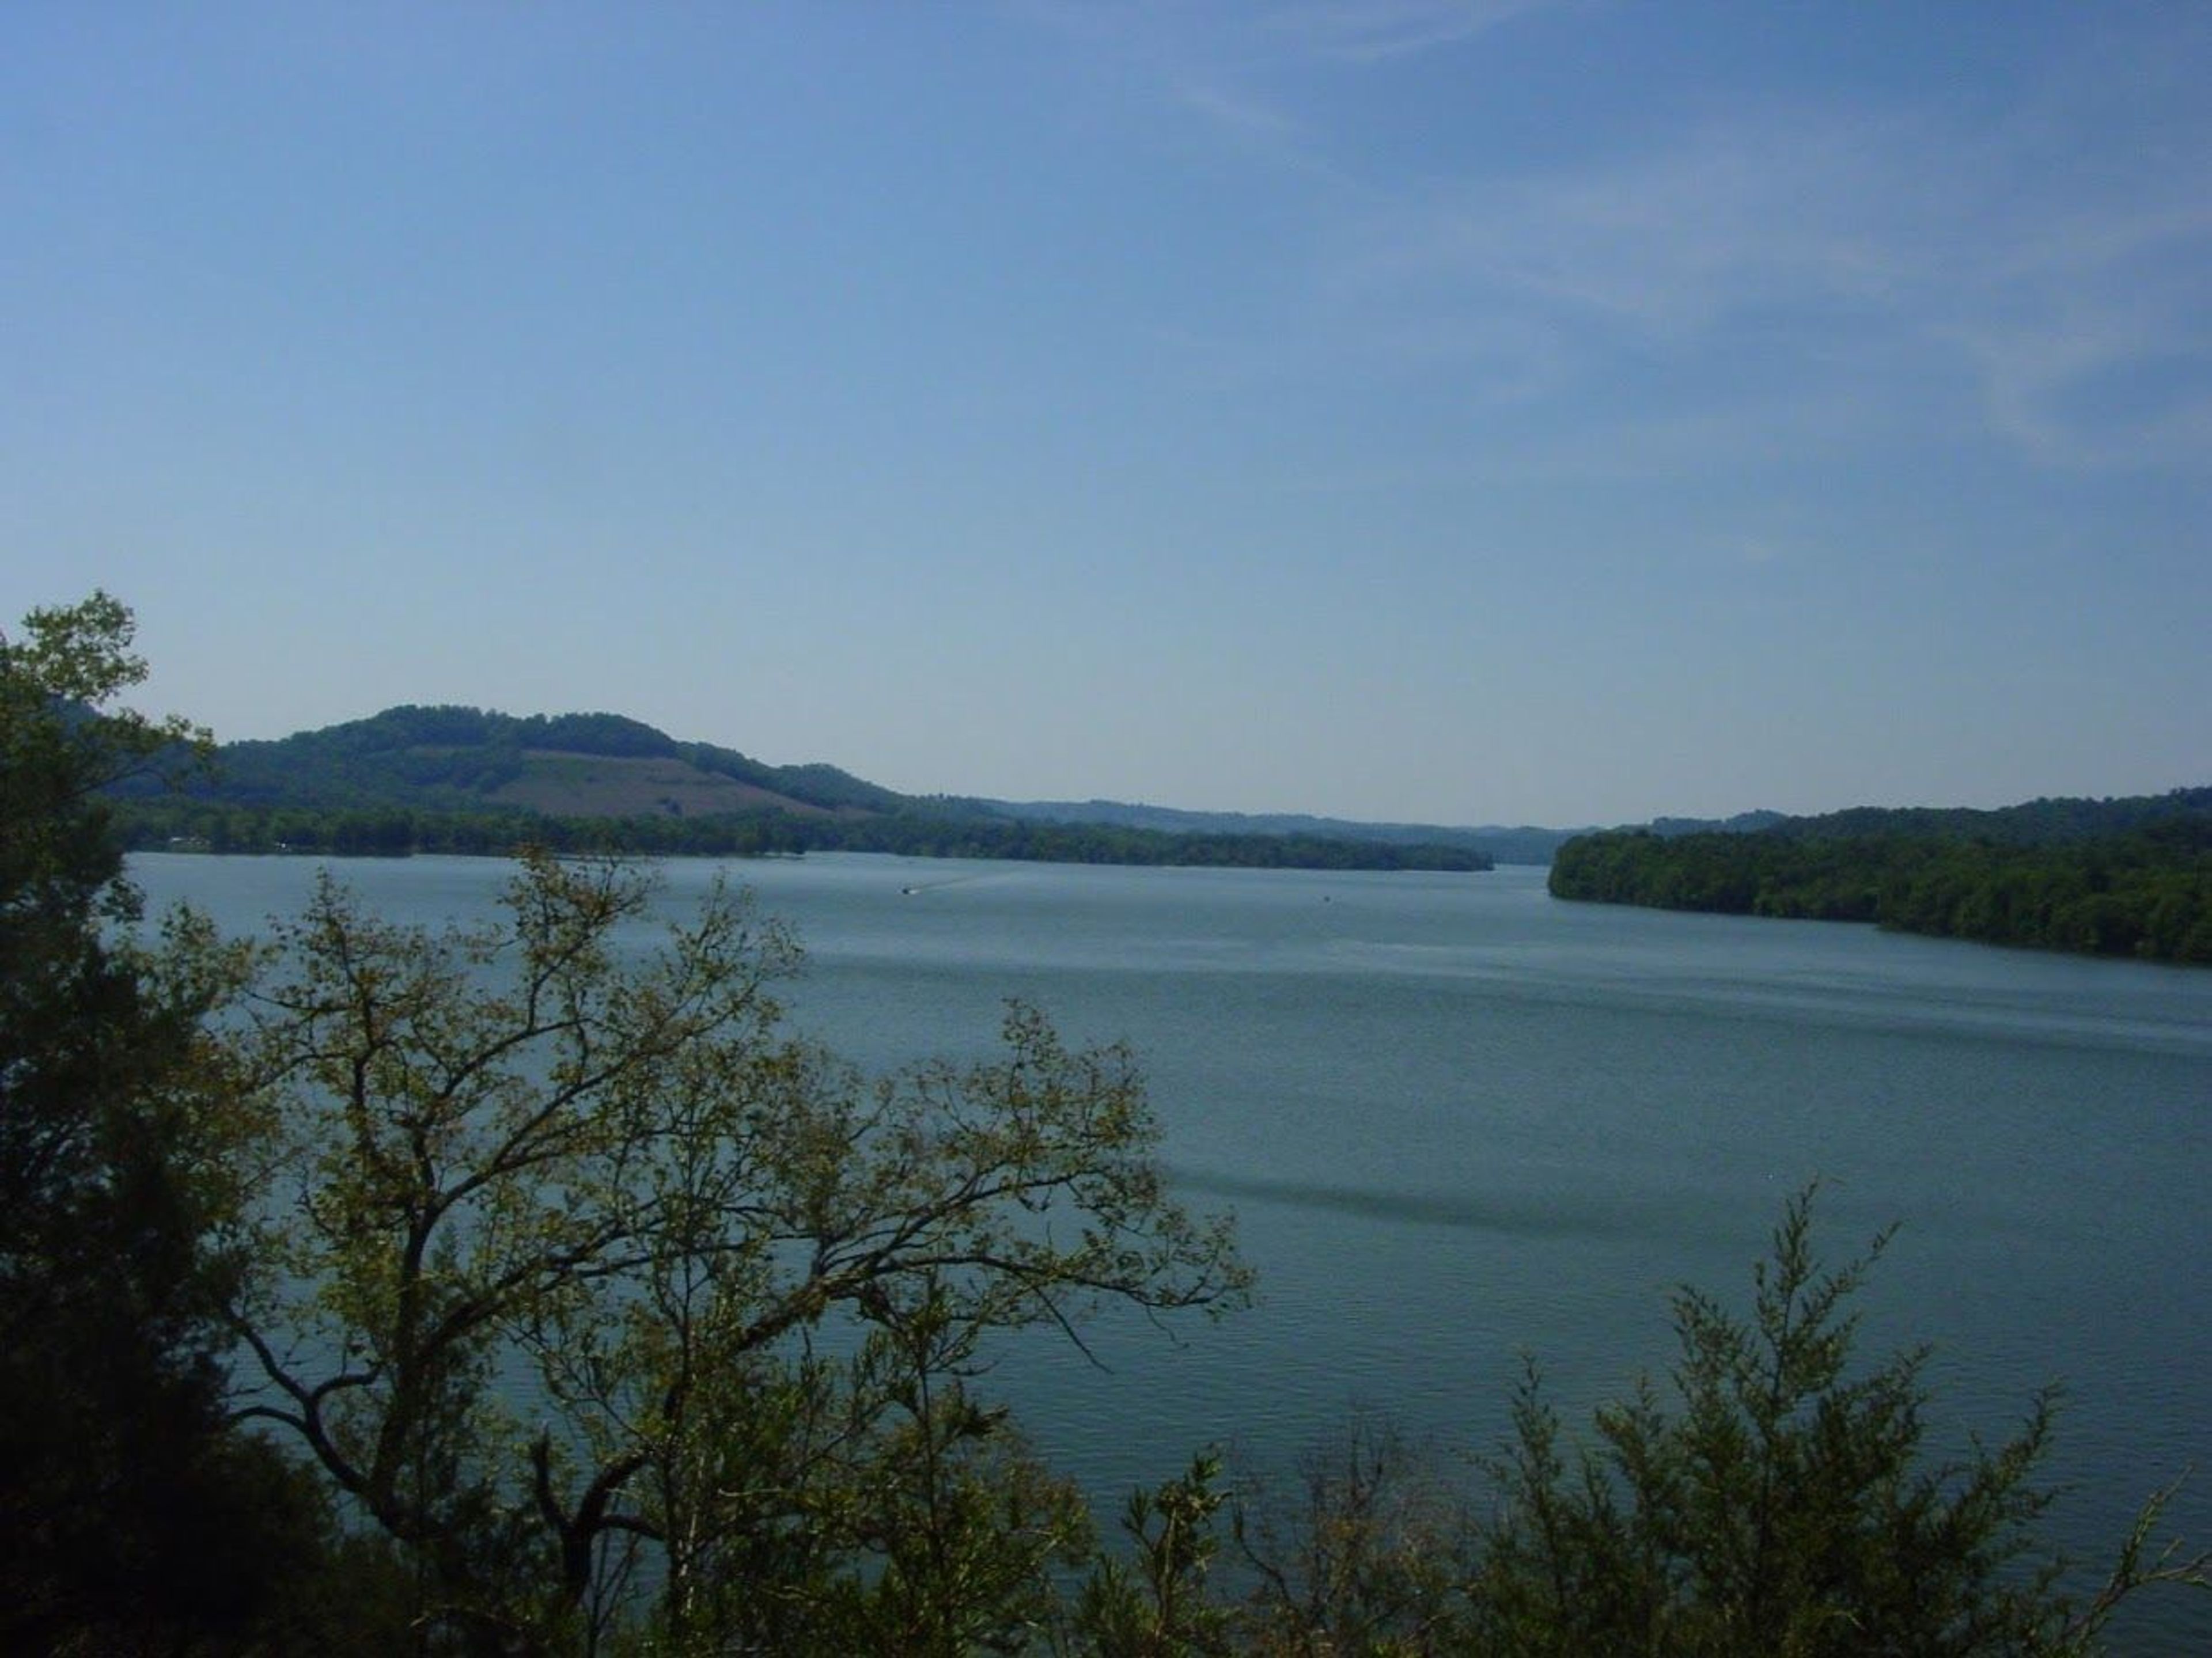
column 1500, row 411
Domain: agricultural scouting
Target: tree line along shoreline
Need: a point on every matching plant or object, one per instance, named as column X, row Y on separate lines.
column 2145, row 893
column 159, row 823
column 2041, row 877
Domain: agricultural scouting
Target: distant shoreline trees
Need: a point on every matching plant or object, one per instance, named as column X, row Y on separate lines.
column 2145, row 893
column 156, row 823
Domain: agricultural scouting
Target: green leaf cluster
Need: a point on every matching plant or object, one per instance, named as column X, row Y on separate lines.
column 1777, row 1502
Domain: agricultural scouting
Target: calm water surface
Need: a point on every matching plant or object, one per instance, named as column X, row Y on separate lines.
column 1459, row 1121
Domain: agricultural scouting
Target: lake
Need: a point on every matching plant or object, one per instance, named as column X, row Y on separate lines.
column 1459, row 1121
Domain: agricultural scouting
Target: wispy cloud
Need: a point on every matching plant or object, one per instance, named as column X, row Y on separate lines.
column 2102, row 391
column 1839, row 246
column 1669, row 241
column 1941, row 267
column 1369, row 30
column 2087, row 318
column 1224, row 65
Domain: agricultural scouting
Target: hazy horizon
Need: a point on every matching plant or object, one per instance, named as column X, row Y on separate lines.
column 1456, row 411
column 1716, row 813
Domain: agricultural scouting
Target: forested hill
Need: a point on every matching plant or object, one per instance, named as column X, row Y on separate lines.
column 2129, row 877
column 418, row 779
column 590, row 765
column 2039, row 822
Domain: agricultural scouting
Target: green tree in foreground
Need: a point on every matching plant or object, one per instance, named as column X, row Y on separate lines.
column 744, row 1291
column 1785, row 1506
column 1778, row 1499
column 129, row 1518
column 1157, row 1603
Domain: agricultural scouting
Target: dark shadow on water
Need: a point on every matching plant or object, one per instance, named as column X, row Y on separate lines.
column 1511, row 1216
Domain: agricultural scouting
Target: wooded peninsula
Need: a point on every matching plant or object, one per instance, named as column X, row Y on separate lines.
column 2127, row 877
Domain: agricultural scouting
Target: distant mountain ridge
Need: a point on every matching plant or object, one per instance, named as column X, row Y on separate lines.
column 448, row 758
column 455, row 758
column 445, row 757
column 454, row 779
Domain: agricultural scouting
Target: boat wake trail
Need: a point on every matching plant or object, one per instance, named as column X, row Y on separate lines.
column 915, row 889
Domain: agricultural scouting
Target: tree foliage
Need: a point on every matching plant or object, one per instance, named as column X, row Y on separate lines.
column 1778, row 1495
column 128, row 1516
column 749, row 1289
column 1782, row 1502
column 1157, row 1602
column 1365, row 1550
